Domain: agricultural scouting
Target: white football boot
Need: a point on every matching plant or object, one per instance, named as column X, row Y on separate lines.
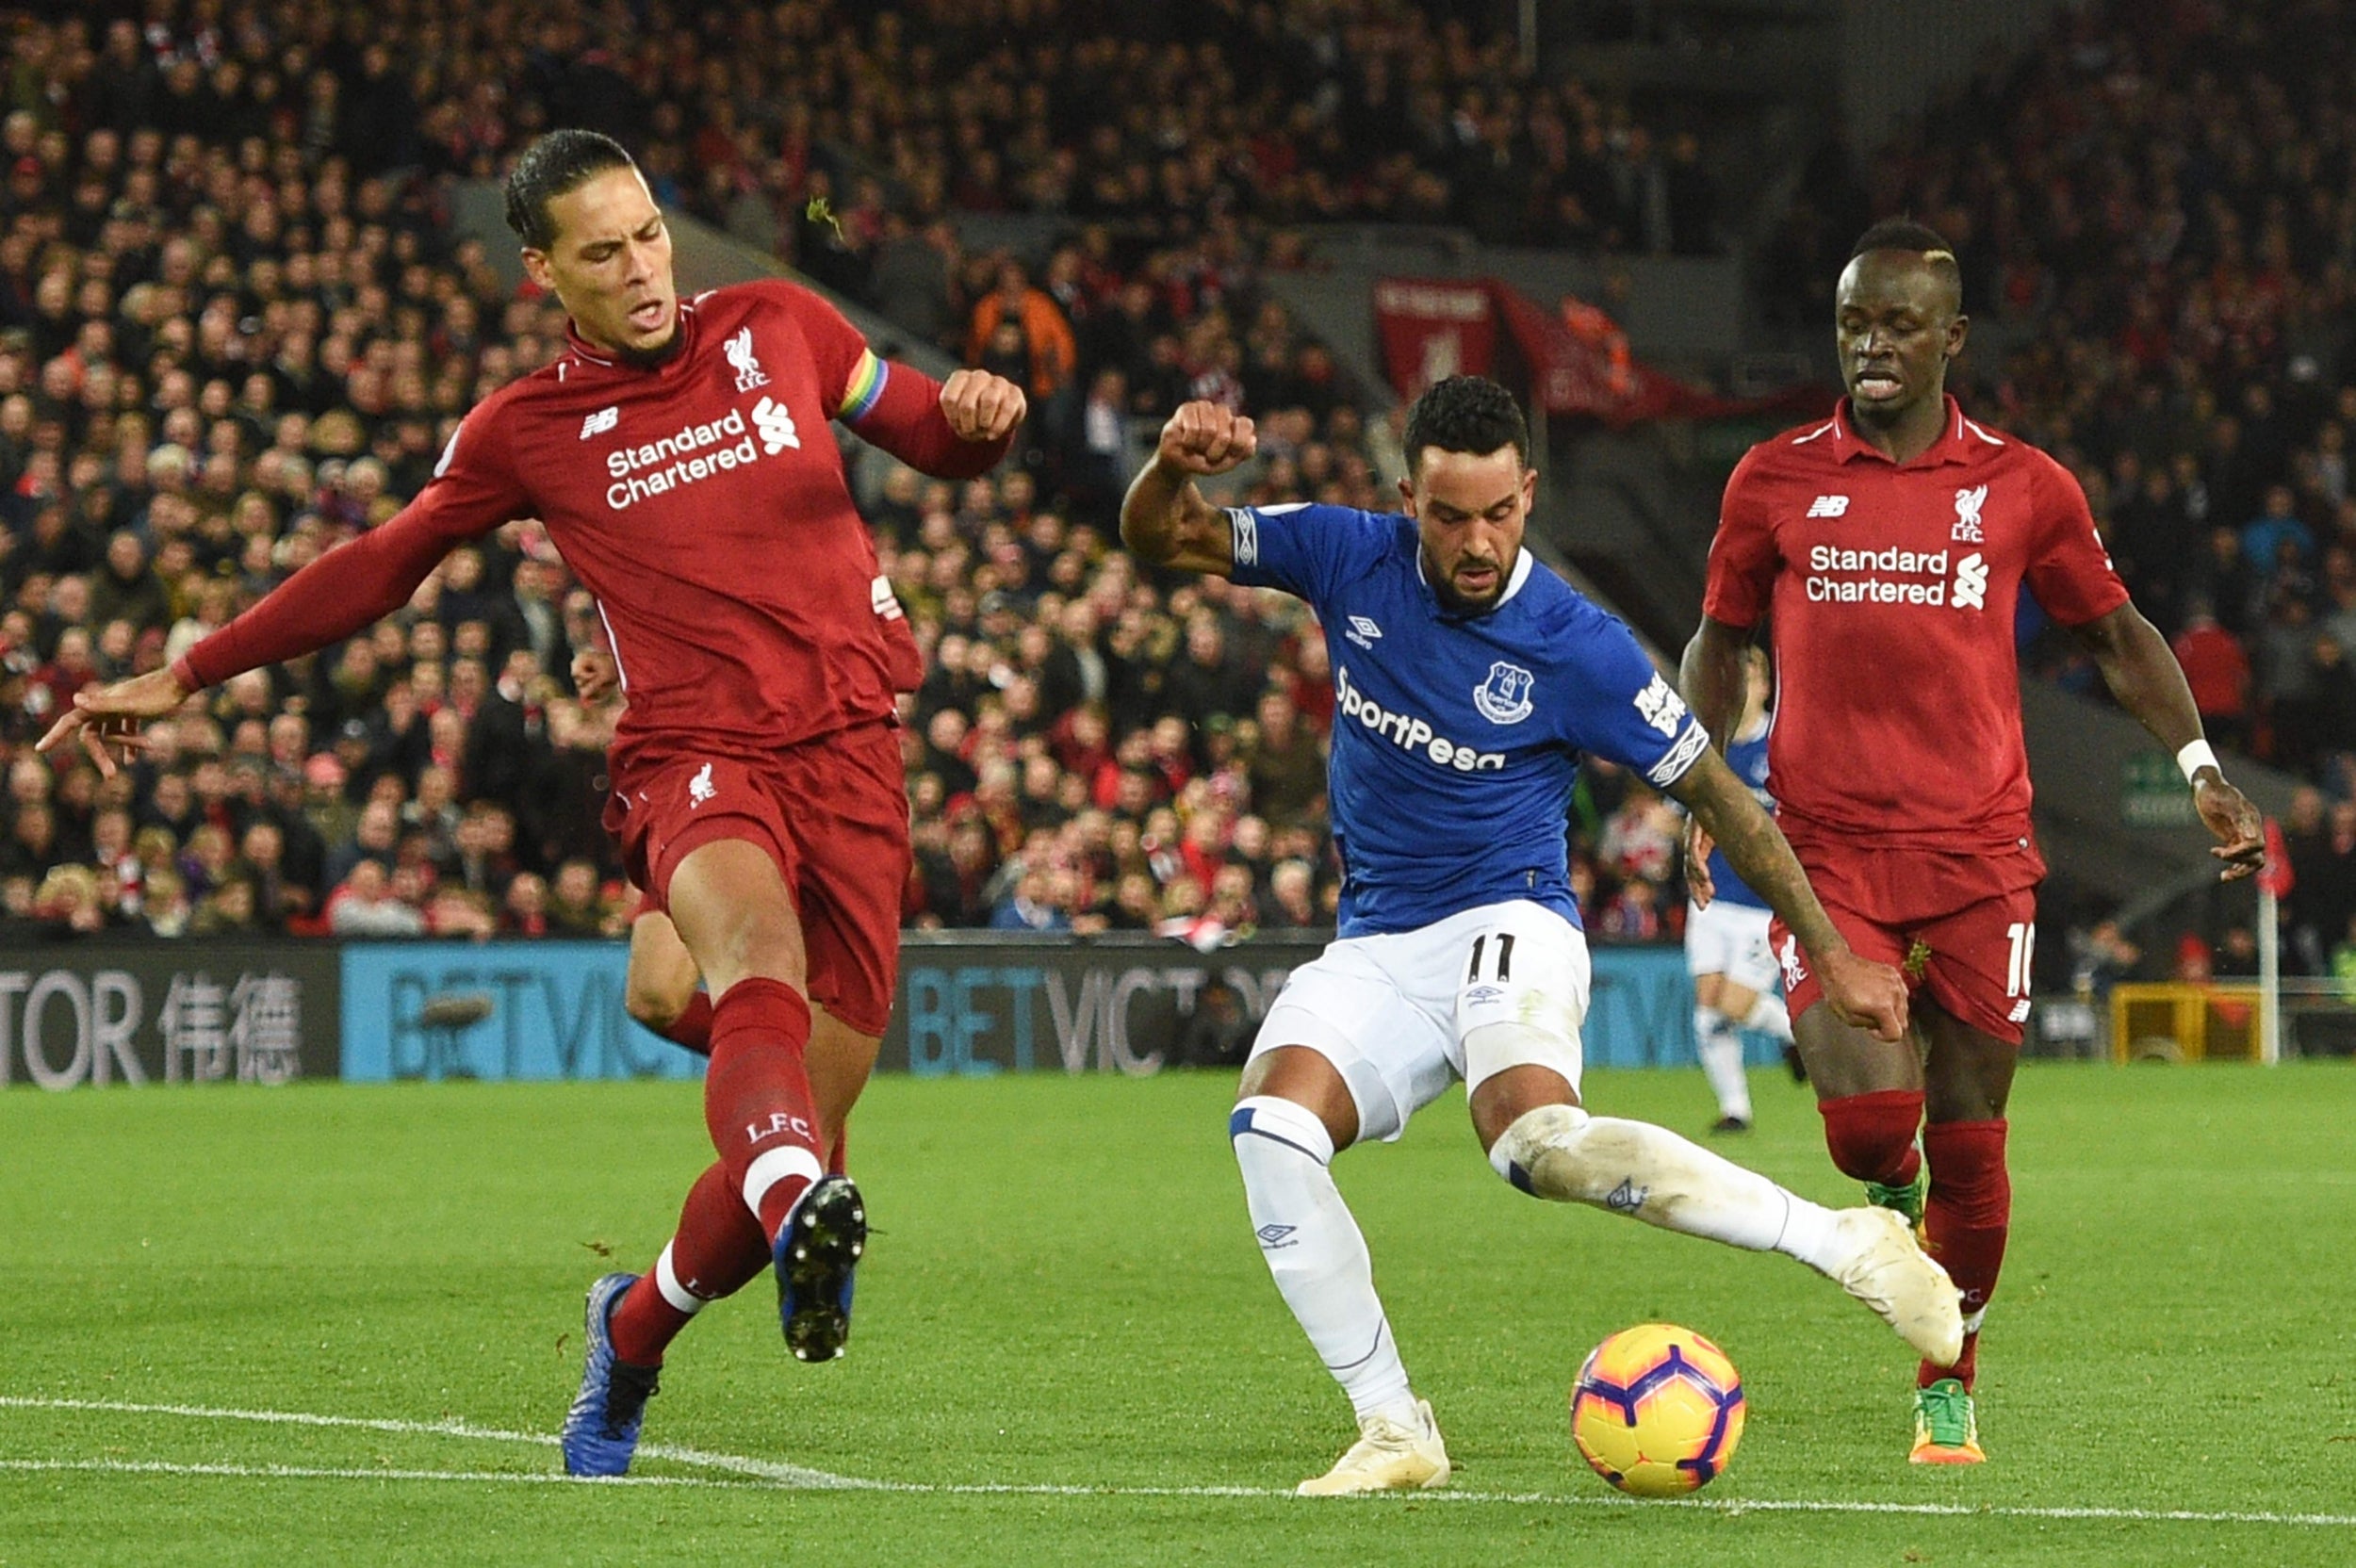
column 1888, row 1270
column 1389, row 1456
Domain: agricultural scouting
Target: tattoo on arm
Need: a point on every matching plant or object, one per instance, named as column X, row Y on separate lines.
column 1756, row 848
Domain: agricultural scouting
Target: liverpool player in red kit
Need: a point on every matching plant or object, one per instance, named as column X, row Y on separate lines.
column 680, row 454
column 1891, row 544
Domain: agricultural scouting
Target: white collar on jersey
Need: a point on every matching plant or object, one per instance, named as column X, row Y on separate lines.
column 1522, row 565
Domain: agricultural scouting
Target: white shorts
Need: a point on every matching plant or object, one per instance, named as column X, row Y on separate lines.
column 1732, row 939
column 1391, row 1012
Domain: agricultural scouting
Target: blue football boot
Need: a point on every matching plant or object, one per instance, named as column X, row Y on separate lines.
column 815, row 1254
column 601, row 1429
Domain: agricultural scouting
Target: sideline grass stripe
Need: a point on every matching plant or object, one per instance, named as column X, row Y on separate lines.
column 767, row 1475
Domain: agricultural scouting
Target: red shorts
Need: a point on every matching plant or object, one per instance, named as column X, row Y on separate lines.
column 833, row 815
column 1960, row 927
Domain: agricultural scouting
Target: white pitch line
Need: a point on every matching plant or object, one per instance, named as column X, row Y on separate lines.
column 769, row 1475
column 783, row 1475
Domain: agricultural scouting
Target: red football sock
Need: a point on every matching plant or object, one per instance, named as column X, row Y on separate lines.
column 757, row 1099
column 1968, row 1215
column 716, row 1251
column 1871, row 1136
column 692, row 1027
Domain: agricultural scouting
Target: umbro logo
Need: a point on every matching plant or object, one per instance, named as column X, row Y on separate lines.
column 1272, row 1237
column 1362, row 631
column 599, row 423
column 1828, row 506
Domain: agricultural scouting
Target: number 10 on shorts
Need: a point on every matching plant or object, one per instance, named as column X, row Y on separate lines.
column 2022, row 938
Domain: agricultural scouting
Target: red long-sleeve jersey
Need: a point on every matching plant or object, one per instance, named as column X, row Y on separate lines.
column 702, row 502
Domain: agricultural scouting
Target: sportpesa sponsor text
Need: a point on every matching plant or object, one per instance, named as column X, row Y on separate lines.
column 1880, row 576
column 1409, row 733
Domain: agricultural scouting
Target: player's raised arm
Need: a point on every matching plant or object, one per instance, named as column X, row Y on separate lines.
column 2143, row 673
column 956, row 429
column 1164, row 517
column 1869, row 995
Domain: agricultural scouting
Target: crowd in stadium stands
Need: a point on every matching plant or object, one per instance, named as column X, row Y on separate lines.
column 2155, row 215
column 234, row 331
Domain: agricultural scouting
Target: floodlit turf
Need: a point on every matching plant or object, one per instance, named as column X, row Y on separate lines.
column 1063, row 1293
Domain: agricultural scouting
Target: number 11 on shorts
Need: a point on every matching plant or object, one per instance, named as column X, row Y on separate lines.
column 1505, row 958
column 2022, row 937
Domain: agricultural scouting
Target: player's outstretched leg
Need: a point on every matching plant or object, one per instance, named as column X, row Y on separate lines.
column 1720, row 1050
column 1319, row 1257
column 601, row 1429
column 1561, row 1152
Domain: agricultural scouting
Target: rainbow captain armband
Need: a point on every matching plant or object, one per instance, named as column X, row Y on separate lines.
column 864, row 387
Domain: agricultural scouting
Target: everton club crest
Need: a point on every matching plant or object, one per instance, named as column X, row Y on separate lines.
column 1504, row 696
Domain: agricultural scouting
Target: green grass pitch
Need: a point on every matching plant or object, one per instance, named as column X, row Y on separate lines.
column 1063, row 1296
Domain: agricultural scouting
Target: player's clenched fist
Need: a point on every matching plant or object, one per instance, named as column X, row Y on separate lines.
column 1206, row 438
column 980, row 406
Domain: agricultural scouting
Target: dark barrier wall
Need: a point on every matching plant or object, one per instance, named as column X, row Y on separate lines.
column 102, row 1012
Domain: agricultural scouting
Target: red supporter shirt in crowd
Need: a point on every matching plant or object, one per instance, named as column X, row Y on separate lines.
column 1892, row 588
column 704, row 503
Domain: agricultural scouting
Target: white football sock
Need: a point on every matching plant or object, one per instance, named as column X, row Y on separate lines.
column 1769, row 1016
column 1315, row 1251
column 1560, row 1152
column 1720, row 1050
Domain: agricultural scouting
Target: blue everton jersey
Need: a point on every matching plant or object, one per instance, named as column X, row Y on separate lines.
column 1748, row 758
column 1456, row 736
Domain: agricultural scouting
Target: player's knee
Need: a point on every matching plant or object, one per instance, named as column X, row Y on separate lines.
column 656, row 1007
column 1870, row 1135
column 1261, row 1123
column 1541, row 1153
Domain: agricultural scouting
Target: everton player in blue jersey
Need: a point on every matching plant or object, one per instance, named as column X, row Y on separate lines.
column 1468, row 678
column 1726, row 940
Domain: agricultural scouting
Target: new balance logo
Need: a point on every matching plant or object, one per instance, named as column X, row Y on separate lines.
column 2021, row 1011
column 776, row 426
column 1828, row 506
column 599, row 423
column 700, row 788
column 1362, row 631
column 1273, row 1237
column 1626, row 1198
column 1968, row 504
column 740, row 352
column 1971, row 590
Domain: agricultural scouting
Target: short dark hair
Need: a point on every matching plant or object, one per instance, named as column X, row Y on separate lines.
column 1466, row 413
column 1904, row 234
column 552, row 165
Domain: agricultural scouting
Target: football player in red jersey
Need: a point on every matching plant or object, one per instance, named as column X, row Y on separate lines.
column 1891, row 544
column 680, row 455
